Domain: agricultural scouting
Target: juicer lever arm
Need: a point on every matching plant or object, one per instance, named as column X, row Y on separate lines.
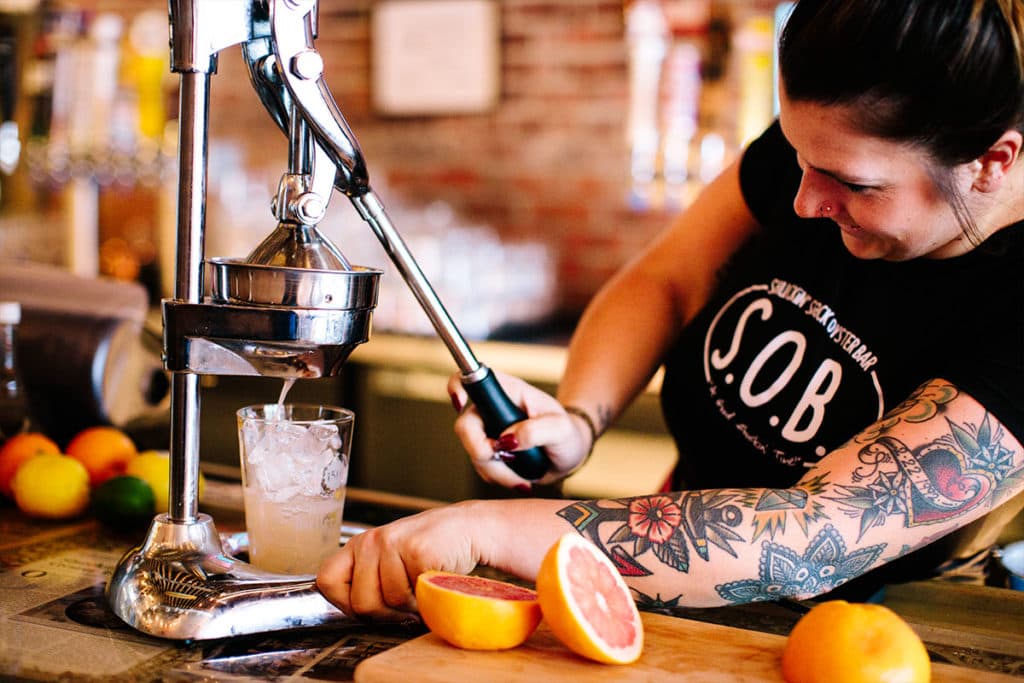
column 267, row 81
column 496, row 409
column 301, row 69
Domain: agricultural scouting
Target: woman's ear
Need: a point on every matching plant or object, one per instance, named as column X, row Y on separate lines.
column 991, row 167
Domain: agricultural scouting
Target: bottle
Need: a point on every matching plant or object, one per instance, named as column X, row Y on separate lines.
column 14, row 406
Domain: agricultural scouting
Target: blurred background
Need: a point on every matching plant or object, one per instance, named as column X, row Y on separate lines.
column 583, row 125
column 525, row 149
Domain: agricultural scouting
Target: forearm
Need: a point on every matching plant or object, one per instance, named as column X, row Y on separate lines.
column 934, row 464
column 618, row 346
column 622, row 337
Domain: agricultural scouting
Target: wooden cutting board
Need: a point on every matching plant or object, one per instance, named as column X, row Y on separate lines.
column 674, row 649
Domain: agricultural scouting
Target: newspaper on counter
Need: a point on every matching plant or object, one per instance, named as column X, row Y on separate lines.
column 55, row 623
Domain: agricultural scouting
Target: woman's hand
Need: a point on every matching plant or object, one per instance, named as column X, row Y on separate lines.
column 374, row 574
column 565, row 438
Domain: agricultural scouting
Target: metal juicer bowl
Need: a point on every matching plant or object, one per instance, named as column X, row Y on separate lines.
column 235, row 281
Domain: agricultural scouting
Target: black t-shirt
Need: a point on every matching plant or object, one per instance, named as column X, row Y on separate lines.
column 803, row 345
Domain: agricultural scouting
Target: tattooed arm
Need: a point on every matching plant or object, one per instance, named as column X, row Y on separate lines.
column 935, row 463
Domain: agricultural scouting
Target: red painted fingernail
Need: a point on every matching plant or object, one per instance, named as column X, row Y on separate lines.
column 524, row 488
column 456, row 403
column 508, row 442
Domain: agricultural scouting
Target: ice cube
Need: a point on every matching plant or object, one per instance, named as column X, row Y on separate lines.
column 273, row 477
column 325, row 432
column 287, row 434
column 335, row 475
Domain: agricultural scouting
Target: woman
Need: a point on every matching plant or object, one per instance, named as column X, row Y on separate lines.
column 841, row 320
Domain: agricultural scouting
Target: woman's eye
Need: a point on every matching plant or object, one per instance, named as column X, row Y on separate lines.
column 853, row 187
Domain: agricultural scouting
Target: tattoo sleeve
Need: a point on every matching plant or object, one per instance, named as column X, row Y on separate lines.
column 935, row 462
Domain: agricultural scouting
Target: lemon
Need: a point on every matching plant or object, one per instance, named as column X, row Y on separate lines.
column 124, row 502
column 154, row 468
column 51, row 485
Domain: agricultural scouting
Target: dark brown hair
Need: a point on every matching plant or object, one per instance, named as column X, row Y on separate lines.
column 944, row 76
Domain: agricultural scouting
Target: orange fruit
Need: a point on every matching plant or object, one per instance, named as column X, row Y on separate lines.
column 17, row 450
column 105, row 452
column 476, row 613
column 587, row 604
column 52, row 486
column 842, row 642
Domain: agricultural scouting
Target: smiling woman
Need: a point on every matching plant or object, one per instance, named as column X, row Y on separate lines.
column 838, row 319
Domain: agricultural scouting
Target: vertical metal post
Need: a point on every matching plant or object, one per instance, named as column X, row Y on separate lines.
column 193, row 118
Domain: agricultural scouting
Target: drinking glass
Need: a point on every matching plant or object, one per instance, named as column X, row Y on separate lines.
column 294, row 472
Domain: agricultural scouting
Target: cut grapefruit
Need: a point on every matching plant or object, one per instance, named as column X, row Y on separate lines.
column 587, row 604
column 476, row 613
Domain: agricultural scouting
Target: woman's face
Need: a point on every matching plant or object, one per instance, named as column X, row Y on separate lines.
column 877, row 191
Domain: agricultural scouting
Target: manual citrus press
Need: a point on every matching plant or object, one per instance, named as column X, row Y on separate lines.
column 294, row 308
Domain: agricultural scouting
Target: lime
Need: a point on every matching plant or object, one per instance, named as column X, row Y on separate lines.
column 124, row 502
column 154, row 468
column 51, row 485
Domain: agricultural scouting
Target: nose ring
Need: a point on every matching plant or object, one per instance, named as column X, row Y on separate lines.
column 825, row 209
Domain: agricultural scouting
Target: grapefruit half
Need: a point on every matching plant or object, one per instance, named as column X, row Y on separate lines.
column 476, row 613
column 587, row 604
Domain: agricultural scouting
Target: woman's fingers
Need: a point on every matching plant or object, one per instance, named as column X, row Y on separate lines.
column 374, row 574
column 378, row 587
column 457, row 392
column 334, row 579
column 547, row 426
column 396, row 585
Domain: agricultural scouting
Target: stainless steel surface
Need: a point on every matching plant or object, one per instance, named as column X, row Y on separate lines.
column 373, row 212
column 300, row 204
column 183, row 487
column 271, row 320
column 180, row 583
column 277, row 340
column 298, row 246
column 193, row 120
column 234, row 281
column 292, row 31
column 263, row 317
column 285, row 86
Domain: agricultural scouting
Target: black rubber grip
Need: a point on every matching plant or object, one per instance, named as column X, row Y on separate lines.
column 498, row 412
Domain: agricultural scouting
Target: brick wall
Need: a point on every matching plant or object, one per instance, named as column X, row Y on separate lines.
column 549, row 162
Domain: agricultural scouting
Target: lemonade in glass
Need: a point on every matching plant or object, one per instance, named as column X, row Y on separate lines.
column 294, row 473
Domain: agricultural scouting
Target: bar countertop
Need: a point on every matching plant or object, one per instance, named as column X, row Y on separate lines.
column 55, row 624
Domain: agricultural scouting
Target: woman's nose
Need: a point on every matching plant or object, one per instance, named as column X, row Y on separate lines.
column 810, row 196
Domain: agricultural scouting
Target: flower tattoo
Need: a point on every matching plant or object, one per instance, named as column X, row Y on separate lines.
column 655, row 518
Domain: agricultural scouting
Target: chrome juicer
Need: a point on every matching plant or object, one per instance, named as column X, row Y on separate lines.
column 294, row 308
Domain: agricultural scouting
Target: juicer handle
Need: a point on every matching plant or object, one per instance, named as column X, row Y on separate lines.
column 498, row 412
